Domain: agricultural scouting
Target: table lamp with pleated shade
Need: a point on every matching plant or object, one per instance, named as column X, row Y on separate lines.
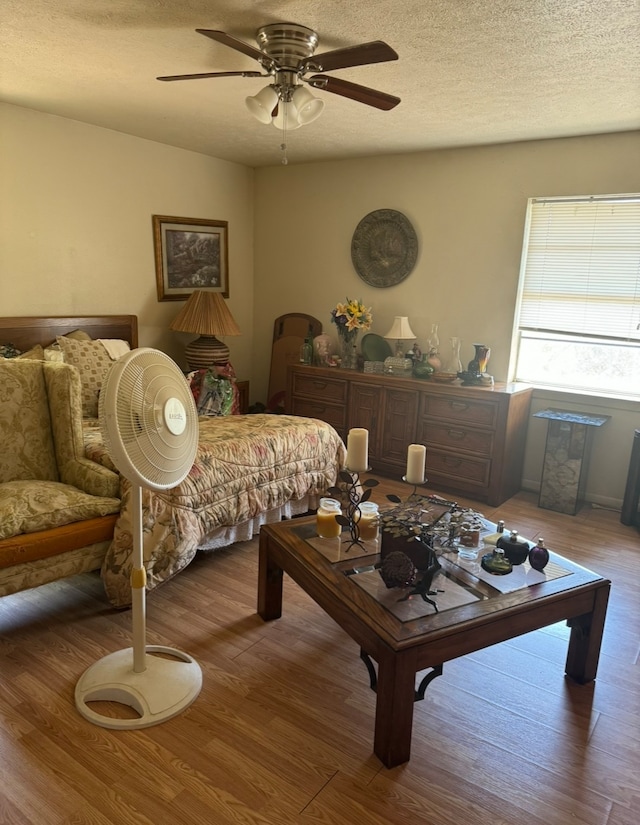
column 400, row 331
column 207, row 314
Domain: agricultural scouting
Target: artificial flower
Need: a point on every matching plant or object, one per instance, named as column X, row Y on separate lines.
column 351, row 316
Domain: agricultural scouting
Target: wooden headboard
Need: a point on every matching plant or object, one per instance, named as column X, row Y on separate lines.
column 27, row 331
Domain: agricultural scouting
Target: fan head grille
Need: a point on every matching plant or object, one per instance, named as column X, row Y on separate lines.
column 148, row 419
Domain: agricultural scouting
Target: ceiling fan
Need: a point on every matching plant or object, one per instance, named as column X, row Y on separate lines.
column 286, row 53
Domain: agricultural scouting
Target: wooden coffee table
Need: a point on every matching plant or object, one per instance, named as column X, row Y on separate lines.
column 405, row 637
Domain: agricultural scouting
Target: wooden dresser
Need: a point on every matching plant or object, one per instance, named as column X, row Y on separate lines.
column 475, row 436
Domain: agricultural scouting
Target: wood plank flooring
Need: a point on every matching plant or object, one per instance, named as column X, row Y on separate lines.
column 282, row 731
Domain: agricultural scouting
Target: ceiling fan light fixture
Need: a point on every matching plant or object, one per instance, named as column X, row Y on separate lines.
column 287, row 117
column 309, row 107
column 287, row 53
column 262, row 105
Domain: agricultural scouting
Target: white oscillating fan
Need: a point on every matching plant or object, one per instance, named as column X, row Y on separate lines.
column 149, row 424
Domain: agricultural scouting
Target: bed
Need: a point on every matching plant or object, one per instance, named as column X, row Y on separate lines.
column 249, row 470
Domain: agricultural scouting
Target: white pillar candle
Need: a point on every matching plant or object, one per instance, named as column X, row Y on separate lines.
column 416, row 459
column 358, row 450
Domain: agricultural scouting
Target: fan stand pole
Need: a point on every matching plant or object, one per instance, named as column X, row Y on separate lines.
column 138, row 585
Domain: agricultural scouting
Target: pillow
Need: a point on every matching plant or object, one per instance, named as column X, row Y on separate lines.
column 92, row 361
column 53, row 352
column 34, row 354
column 115, row 347
column 78, row 335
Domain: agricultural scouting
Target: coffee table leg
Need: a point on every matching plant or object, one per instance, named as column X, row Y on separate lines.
column 586, row 639
column 394, row 707
column 269, row 582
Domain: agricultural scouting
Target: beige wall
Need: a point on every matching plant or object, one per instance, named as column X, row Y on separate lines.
column 75, row 223
column 75, row 237
column 468, row 209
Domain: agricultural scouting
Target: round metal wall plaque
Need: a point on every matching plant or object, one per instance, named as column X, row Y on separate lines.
column 384, row 248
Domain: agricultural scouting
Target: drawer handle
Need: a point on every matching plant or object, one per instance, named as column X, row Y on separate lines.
column 320, row 384
column 458, row 405
column 452, row 462
column 456, row 435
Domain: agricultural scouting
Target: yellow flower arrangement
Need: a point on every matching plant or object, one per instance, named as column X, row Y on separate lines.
column 351, row 316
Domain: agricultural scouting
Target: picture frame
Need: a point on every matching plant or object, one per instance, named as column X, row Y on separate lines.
column 190, row 254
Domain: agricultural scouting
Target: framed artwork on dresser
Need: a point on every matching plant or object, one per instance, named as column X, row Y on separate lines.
column 190, row 253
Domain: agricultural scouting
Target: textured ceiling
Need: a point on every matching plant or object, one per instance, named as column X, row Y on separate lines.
column 469, row 71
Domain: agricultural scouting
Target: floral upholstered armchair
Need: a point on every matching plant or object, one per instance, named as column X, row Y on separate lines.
column 57, row 508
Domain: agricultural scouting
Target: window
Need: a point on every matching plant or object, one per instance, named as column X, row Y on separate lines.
column 578, row 311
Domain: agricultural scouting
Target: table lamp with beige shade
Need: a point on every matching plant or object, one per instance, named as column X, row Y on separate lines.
column 207, row 314
column 400, row 331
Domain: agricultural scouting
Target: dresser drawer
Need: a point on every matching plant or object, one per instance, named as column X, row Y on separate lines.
column 325, row 389
column 432, row 432
column 458, row 408
column 333, row 414
column 458, row 467
column 475, row 436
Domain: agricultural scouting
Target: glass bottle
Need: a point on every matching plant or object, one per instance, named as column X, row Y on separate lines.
column 539, row 556
column 434, row 340
column 496, row 562
column 433, row 349
column 492, row 538
column 326, row 525
column 515, row 548
column 306, row 350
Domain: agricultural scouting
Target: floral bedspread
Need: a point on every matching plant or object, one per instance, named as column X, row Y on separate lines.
column 245, row 466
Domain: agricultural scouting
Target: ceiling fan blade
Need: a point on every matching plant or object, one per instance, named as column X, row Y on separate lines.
column 238, row 45
column 362, row 94
column 375, row 52
column 211, row 74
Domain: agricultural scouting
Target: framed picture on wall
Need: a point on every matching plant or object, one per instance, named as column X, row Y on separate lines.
column 190, row 253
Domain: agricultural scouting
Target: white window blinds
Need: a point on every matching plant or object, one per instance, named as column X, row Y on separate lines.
column 581, row 265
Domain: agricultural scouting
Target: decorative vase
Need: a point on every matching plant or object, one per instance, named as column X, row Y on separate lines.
column 347, row 349
column 455, row 364
column 422, row 369
column 478, row 364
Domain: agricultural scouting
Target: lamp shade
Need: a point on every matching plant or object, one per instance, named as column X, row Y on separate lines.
column 400, row 329
column 308, row 106
column 262, row 105
column 287, row 117
column 207, row 314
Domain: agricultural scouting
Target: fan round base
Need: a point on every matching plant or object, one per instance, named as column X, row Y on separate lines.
column 165, row 688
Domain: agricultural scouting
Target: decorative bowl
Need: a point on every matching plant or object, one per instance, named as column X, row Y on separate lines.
column 444, row 377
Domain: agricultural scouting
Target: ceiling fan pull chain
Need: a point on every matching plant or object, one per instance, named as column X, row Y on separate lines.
column 283, row 145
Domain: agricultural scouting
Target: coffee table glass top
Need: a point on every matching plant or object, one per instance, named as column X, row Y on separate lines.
column 459, row 582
